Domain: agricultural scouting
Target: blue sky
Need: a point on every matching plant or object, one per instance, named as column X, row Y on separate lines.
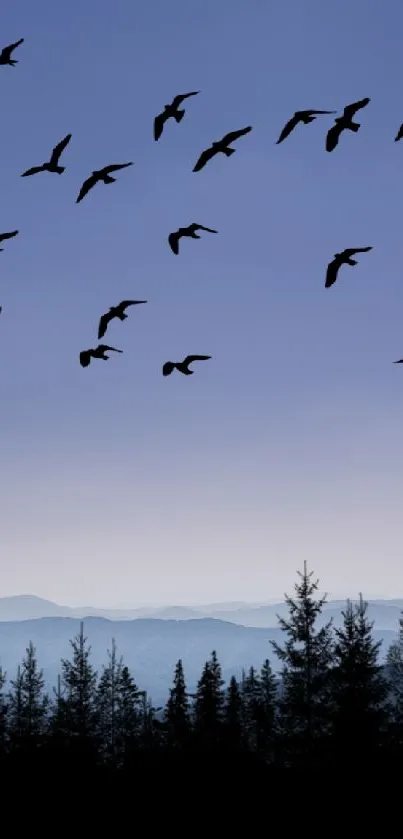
column 117, row 484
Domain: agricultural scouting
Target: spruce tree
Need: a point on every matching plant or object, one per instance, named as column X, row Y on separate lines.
column 394, row 677
column 128, row 717
column 306, row 657
column 359, row 690
column 209, row 705
column 251, row 699
column 28, row 705
column 177, row 714
column 3, row 714
column 233, row 715
column 266, row 717
column 78, row 681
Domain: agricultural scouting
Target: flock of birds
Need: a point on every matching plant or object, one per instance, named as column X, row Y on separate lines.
column 173, row 111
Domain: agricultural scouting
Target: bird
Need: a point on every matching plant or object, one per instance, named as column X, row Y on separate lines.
column 183, row 366
column 400, row 361
column 51, row 165
column 4, row 236
column 98, row 352
column 100, row 175
column 189, row 231
column 171, row 111
column 220, row 146
column 399, row 134
column 300, row 116
column 115, row 312
column 343, row 258
column 5, row 55
column 345, row 122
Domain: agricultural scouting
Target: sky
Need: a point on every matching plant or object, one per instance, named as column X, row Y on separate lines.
column 120, row 485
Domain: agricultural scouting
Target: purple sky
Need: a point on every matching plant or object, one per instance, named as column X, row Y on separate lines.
column 117, row 484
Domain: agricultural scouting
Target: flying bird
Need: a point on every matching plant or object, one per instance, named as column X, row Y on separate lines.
column 220, row 146
column 5, row 55
column 343, row 258
column 300, row 116
column 115, row 312
column 399, row 134
column 98, row 352
column 4, row 236
column 345, row 122
column 183, row 366
column 100, row 175
column 189, row 231
column 51, row 165
column 171, row 111
column 398, row 362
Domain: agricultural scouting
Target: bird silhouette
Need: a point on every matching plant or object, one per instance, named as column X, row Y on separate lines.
column 4, row 236
column 220, row 146
column 300, row 116
column 171, row 111
column 345, row 122
column 343, row 258
column 400, row 361
column 51, row 165
column 115, row 312
column 399, row 134
column 183, row 366
column 97, row 352
column 5, row 55
column 100, row 175
column 189, row 231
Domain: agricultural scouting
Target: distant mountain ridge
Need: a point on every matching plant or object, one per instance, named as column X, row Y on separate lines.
column 385, row 613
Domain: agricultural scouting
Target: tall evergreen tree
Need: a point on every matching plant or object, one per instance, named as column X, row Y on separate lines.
column 78, row 681
column 107, row 704
column 266, row 713
column 359, row 690
column 3, row 713
column 251, row 699
column 234, row 716
column 177, row 712
column 28, row 704
column 209, row 705
column 394, row 675
column 306, row 657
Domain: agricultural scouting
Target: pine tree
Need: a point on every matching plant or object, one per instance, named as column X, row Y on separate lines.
column 234, row 716
column 251, row 699
column 177, row 715
column 359, row 690
column 28, row 705
column 394, row 677
column 306, row 656
column 128, row 717
column 107, row 704
column 78, row 680
column 3, row 714
column 266, row 718
column 209, row 705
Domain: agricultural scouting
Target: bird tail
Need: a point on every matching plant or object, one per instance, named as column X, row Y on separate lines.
column 228, row 152
column 354, row 126
column 352, row 261
column 179, row 115
column 13, row 61
column 108, row 179
column 60, row 169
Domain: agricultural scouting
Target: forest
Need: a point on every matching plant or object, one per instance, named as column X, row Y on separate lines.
column 331, row 703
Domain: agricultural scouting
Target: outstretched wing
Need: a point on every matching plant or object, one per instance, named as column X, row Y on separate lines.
column 103, row 324
column 399, row 134
column 85, row 358
column 33, row 171
column 190, row 358
column 59, row 149
column 87, row 185
column 290, row 125
column 125, row 303
column 182, row 96
column 331, row 273
column 233, row 135
column 352, row 251
column 167, row 368
column 11, row 235
column 114, row 167
column 159, row 123
column 332, row 136
column 173, row 240
column 6, row 51
column 104, row 348
column 352, row 109
column 204, row 158
column 201, row 227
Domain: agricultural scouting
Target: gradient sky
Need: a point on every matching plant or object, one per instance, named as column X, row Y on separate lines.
column 117, row 484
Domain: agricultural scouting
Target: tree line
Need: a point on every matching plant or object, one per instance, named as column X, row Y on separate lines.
column 331, row 703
